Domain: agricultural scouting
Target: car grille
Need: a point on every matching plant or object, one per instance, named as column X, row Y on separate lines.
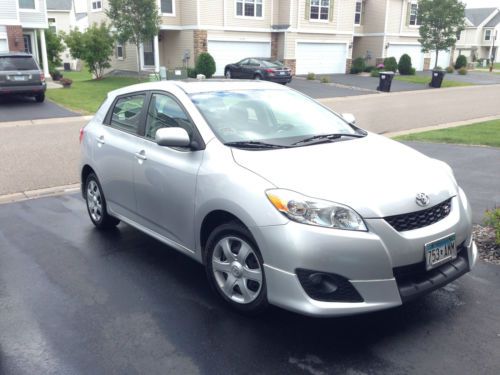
column 420, row 219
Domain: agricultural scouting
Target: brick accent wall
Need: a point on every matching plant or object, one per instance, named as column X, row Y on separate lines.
column 291, row 64
column 427, row 63
column 348, row 64
column 15, row 38
column 274, row 46
column 200, row 42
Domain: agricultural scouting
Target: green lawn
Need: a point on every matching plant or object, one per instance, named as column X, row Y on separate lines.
column 424, row 80
column 482, row 133
column 86, row 95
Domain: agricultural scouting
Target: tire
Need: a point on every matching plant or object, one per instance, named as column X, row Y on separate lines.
column 228, row 74
column 257, row 77
column 40, row 97
column 240, row 282
column 96, row 204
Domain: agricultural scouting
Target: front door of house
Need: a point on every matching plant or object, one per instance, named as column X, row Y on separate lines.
column 27, row 43
column 148, row 53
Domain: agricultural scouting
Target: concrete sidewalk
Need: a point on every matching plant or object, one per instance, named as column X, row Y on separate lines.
column 396, row 112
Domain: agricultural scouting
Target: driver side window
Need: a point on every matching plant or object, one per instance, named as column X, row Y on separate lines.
column 165, row 112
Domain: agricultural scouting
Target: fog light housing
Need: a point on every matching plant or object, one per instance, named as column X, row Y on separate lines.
column 330, row 287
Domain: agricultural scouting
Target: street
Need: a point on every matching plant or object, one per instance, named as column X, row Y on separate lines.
column 78, row 301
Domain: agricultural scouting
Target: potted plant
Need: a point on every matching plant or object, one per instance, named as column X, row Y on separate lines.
column 66, row 82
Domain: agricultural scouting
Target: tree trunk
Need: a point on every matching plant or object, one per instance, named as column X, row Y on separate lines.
column 138, row 49
column 436, row 62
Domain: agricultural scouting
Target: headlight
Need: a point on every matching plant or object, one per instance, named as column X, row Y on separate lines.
column 302, row 209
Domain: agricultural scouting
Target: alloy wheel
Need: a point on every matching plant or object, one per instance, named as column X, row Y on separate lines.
column 94, row 201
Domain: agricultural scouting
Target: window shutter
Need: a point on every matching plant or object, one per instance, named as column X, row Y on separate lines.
column 408, row 10
column 330, row 15
column 308, row 9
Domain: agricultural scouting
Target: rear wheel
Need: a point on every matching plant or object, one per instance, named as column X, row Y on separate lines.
column 96, row 204
column 257, row 77
column 228, row 74
column 235, row 268
column 40, row 97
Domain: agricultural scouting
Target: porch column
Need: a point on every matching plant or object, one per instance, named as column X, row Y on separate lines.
column 156, row 49
column 45, row 60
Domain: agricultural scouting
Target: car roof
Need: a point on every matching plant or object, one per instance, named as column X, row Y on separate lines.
column 194, row 86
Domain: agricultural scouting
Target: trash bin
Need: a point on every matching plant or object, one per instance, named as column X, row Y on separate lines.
column 437, row 78
column 384, row 81
column 163, row 73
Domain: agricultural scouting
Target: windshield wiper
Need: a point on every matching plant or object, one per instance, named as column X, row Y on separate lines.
column 327, row 137
column 254, row 144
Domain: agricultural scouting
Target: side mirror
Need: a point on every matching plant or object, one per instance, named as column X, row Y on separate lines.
column 172, row 137
column 349, row 117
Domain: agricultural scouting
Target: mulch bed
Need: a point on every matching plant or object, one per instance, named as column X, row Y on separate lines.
column 489, row 251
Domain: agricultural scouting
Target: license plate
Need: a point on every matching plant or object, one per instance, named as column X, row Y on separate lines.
column 440, row 251
column 19, row 78
column 282, row 73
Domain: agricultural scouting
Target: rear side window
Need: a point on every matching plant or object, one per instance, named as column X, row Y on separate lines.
column 17, row 63
column 126, row 113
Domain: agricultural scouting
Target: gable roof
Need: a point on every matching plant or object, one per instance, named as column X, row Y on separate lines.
column 476, row 15
column 494, row 21
column 59, row 5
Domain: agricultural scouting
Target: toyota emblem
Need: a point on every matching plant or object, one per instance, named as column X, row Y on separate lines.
column 422, row 199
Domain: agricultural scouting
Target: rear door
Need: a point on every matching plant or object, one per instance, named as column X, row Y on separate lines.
column 19, row 71
column 116, row 142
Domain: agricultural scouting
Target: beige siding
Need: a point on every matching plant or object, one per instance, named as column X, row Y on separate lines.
column 212, row 12
column 236, row 21
column 238, row 36
column 406, row 27
column 394, row 16
column 283, row 12
column 98, row 16
column 172, row 46
column 374, row 16
column 365, row 44
column 187, row 11
column 129, row 62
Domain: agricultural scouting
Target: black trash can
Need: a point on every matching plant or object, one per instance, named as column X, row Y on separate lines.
column 384, row 81
column 437, row 78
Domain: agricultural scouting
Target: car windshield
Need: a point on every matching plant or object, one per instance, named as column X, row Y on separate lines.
column 17, row 63
column 277, row 117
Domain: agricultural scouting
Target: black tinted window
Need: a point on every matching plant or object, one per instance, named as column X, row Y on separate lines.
column 127, row 113
column 17, row 63
column 165, row 112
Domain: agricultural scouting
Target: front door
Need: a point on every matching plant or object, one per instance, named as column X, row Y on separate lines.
column 165, row 181
column 28, row 48
column 148, row 53
column 115, row 144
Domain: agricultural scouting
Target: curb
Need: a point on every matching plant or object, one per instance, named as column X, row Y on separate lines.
column 45, row 121
column 441, row 126
column 39, row 193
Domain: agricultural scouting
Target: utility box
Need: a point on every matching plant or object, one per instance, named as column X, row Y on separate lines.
column 177, row 74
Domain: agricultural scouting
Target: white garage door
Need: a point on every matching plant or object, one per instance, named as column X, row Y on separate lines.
column 320, row 58
column 414, row 51
column 443, row 59
column 228, row 52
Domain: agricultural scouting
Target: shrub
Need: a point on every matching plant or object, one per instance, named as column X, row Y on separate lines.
column 450, row 69
column 413, row 71
column 191, row 72
column 55, row 74
column 205, row 65
column 311, row 76
column 380, row 66
column 358, row 65
column 325, row 80
column 461, row 62
column 492, row 218
column 390, row 64
column 438, row 68
column 368, row 68
column 374, row 73
column 462, row 71
column 404, row 65
column 66, row 82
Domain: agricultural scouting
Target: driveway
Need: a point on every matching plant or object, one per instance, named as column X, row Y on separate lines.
column 76, row 300
column 371, row 83
column 25, row 108
column 317, row 90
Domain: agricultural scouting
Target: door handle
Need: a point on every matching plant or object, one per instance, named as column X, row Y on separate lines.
column 100, row 140
column 141, row 155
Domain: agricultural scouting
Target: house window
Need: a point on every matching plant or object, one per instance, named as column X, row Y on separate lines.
column 96, row 5
column 487, row 34
column 52, row 25
column 458, row 35
column 320, row 9
column 414, row 14
column 249, row 8
column 167, row 6
column 357, row 13
column 27, row 4
column 119, row 51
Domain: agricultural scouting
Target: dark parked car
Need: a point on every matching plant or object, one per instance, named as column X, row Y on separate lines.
column 21, row 75
column 259, row 68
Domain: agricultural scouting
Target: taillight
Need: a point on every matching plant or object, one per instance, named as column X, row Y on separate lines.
column 270, row 70
column 42, row 76
column 81, row 135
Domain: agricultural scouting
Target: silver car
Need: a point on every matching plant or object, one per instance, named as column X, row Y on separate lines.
column 284, row 201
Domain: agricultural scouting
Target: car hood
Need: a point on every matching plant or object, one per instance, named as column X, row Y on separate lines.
column 375, row 176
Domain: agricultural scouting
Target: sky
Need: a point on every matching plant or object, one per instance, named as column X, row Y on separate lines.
column 482, row 3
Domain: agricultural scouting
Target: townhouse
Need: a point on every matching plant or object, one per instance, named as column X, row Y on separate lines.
column 22, row 22
column 479, row 40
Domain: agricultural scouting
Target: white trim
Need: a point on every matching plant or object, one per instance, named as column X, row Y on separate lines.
column 235, row 39
column 35, row 25
column 404, row 44
column 319, row 12
column 96, row 9
column 123, row 51
column 10, row 22
column 360, row 12
column 173, row 10
column 319, row 41
column 254, row 10
column 321, row 31
column 57, row 11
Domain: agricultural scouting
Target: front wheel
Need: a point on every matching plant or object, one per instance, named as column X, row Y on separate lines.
column 96, row 204
column 228, row 74
column 235, row 268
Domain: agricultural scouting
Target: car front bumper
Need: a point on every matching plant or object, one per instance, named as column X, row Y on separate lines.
column 369, row 261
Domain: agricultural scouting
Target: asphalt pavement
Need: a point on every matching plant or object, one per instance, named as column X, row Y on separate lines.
column 474, row 77
column 316, row 89
column 74, row 300
column 19, row 108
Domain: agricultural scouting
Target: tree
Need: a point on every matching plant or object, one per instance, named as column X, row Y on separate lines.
column 54, row 48
column 135, row 21
column 440, row 22
column 94, row 46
